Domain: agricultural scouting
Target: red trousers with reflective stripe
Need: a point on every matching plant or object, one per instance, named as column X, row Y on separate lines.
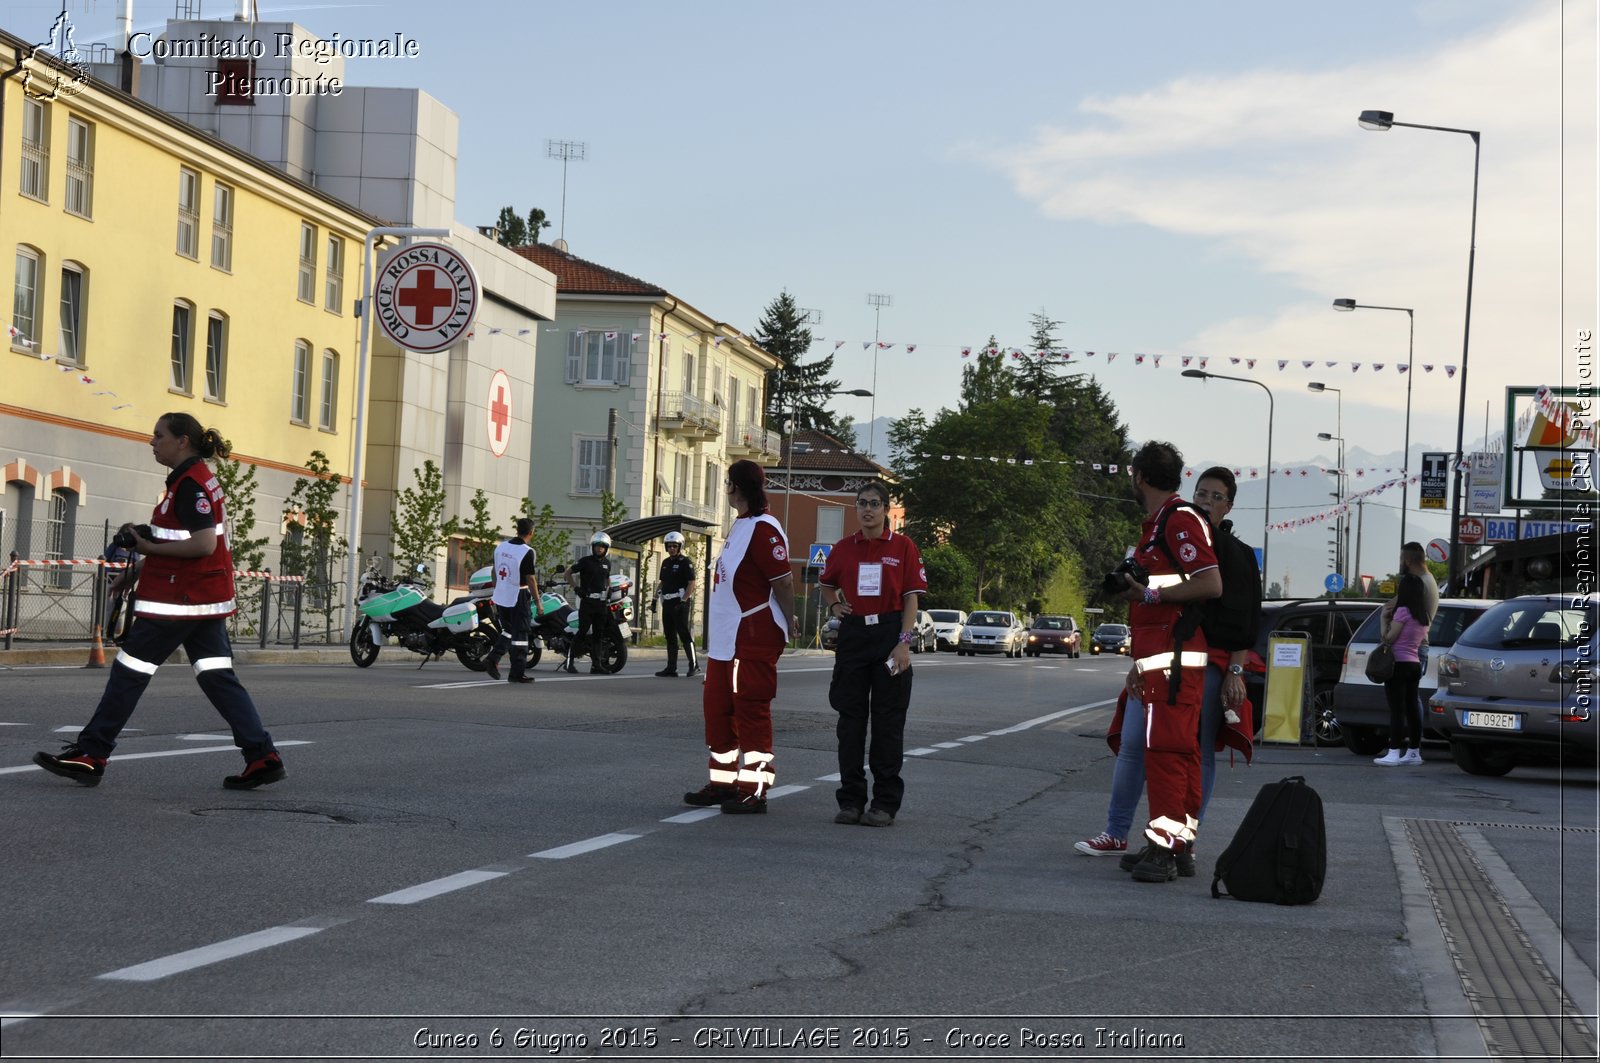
column 738, row 704
column 1172, row 745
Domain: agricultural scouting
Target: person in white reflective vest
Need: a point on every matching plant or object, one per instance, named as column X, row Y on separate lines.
column 516, row 587
column 185, row 593
column 751, row 619
column 1168, row 671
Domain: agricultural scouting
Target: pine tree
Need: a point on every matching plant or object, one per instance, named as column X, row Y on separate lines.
column 1035, row 367
column 801, row 390
column 513, row 230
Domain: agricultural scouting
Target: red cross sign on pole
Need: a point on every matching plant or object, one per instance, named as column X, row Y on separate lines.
column 497, row 413
column 426, row 297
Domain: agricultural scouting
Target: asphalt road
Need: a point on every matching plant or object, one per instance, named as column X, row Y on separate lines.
column 450, row 862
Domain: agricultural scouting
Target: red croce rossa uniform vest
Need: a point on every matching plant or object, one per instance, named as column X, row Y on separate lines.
column 187, row 588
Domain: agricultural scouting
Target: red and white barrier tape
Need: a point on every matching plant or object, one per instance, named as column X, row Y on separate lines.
column 67, row 563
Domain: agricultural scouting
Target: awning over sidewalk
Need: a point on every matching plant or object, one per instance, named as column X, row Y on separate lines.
column 644, row 529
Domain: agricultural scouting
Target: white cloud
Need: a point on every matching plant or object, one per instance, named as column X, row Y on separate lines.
column 1271, row 165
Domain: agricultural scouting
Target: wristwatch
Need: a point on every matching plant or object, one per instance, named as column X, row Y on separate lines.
column 1236, row 669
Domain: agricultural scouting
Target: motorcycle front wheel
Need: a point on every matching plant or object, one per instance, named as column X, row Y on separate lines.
column 473, row 651
column 363, row 650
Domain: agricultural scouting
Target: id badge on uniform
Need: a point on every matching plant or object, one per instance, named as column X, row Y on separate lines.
column 869, row 579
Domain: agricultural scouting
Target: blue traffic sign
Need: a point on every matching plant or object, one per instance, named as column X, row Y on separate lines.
column 1334, row 582
column 817, row 556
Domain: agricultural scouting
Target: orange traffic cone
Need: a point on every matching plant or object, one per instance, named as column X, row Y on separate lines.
column 97, row 651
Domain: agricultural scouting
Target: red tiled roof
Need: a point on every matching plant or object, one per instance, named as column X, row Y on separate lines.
column 820, row 452
column 578, row 276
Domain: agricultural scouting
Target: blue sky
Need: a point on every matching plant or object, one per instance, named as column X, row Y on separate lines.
column 1163, row 178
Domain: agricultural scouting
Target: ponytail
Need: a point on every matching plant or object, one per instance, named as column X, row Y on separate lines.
column 206, row 442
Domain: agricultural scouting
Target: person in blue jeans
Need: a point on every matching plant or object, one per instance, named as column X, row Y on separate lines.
column 1224, row 695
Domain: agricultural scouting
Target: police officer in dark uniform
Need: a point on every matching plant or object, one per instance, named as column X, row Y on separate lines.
column 591, row 577
column 675, row 590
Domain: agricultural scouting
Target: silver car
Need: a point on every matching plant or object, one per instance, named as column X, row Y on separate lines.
column 1518, row 685
column 988, row 631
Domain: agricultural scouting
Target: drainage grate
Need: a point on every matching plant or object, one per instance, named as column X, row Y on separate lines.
column 1520, row 1006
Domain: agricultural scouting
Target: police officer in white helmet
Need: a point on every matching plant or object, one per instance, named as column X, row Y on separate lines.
column 591, row 578
column 675, row 591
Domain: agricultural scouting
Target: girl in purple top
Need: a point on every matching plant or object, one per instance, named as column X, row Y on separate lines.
column 1405, row 632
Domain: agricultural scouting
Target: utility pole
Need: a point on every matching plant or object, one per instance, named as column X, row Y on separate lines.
column 611, row 451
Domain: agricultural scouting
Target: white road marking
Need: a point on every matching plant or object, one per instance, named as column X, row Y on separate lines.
column 205, row 955
column 203, row 738
column 947, row 745
column 118, row 759
column 588, row 845
column 448, row 884
column 828, row 778
column 1046, row 667
column 785, row 791
column 922, row 752
column 693, row 817
column 973, row 738
column 1027, row 725
column 75, row 728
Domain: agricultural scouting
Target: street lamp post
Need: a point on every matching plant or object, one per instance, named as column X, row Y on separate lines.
column 1384, row 120
column 1201, row 374
column 1411, row 347
column 1338, row 427
column 794, row 426
column 1339, row 480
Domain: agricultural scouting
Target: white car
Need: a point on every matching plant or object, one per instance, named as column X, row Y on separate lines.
column 992, row 632
column 947, row 625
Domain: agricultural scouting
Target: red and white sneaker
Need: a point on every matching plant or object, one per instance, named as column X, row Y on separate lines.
column 1103, row 844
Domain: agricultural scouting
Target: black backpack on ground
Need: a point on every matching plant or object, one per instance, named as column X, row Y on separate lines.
column 1230, row 621
column 1280, row 851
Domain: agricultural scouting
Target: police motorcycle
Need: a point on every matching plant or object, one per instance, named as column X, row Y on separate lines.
column 554, row 622
column 399, row 609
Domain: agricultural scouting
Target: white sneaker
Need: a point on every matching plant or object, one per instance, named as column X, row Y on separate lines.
column 1412, row 756
column 1389, row 759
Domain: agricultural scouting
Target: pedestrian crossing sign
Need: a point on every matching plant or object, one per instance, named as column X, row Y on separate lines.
column 817, row 557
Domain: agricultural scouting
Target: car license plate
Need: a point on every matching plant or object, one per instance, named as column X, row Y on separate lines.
column 1501, row 721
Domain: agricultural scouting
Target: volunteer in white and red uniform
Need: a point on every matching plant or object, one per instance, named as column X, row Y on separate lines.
column 1167, row 676
column 751, row 618
column 872, row 582
column 185, row 592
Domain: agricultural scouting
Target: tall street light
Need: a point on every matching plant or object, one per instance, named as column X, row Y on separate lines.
column 1384, row 120
column 876, row 300
column 1338, row 427
column 1339, row 533
column 794, row 426
column 1201, row 374
column 1348, row 305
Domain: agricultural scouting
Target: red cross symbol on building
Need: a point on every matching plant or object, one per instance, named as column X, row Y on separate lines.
column 425, row 298
column 499, row 412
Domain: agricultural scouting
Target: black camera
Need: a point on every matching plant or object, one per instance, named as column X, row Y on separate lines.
column 124, row 540
column 1116, row 581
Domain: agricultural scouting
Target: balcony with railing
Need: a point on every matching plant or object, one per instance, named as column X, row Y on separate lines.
column 754, row 441
column 690, row 416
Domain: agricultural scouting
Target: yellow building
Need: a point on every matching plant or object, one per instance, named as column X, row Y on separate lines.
column 157, row 268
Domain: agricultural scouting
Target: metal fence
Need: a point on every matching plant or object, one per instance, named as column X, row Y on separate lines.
column 69, row 601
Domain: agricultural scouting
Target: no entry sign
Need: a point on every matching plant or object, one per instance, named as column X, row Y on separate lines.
column 426, row 297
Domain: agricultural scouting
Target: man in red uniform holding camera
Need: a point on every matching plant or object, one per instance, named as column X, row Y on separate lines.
column 1168, row 672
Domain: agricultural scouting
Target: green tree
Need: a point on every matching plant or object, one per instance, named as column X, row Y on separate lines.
column 313, row 547
column 514, row 232
column 612, row 511
column 238, row 482
column 802, row 390
column 417, row 523
column 551, row 544
column 480, row 535
column 951, row 577
column 1035, row 368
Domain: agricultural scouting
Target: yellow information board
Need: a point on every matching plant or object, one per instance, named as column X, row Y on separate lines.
column 1288, row 657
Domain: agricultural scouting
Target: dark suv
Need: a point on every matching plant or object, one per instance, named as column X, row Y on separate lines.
column 1328, row 625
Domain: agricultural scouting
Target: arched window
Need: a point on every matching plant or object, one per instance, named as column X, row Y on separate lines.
column 217, row 356
column 60, row 535
column 300, row 384
column 74, row 313
column 183, row 347
column 24, row 329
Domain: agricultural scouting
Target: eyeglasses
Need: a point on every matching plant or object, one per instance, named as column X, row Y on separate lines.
column 1215, row 496
column 869, row 503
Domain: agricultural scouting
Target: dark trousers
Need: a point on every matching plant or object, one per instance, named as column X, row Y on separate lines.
column 675, row 621
column 514, row 628
column 593, row 622
column 147, row 647
column 867, row 697
column 1405, row 715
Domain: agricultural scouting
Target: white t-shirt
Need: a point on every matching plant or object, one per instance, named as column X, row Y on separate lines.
column 756, row 554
